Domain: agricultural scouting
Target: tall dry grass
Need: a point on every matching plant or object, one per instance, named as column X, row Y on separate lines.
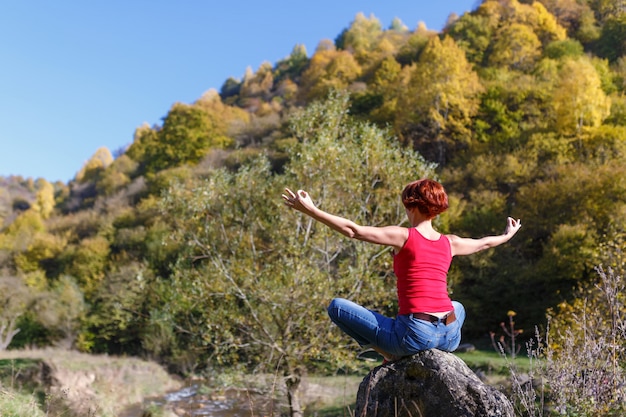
column 578, row 367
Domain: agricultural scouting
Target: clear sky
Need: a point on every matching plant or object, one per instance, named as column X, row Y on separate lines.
column 79, row 75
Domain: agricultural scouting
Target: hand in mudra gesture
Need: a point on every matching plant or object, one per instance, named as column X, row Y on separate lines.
column 300, row 200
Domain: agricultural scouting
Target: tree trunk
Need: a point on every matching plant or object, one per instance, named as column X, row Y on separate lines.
column 7, row 332
column 292, row 381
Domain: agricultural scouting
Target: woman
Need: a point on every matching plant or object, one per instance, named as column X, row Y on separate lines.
column 427, row 317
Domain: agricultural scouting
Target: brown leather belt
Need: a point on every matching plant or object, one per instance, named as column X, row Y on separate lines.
column 450, row 318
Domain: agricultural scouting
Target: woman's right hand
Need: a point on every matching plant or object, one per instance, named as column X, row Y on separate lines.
column 300, row 200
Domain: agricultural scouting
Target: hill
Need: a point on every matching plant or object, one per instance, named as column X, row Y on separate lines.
column 178, row 248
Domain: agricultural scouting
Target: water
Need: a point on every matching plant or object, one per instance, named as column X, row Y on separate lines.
column 190, row 401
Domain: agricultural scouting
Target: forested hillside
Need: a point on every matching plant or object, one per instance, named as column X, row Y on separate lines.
column 180, row 250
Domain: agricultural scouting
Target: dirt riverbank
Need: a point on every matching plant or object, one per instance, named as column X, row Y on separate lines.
column 76, row 384
column 79, row 384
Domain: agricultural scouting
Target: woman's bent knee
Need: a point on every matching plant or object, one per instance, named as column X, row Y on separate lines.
column 334, row 307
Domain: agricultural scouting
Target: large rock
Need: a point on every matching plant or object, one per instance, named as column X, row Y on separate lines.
column 428, row 384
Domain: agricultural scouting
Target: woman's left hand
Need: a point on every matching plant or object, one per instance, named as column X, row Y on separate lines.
column 512, row 226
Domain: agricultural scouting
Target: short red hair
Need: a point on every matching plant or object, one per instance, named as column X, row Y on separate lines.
column 427, row 195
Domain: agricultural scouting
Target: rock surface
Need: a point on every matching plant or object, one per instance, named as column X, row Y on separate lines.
column 429, row 384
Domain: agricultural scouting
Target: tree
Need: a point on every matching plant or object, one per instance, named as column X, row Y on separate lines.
column 100, row 160
column 44, row 202
column 21, row 233
column 497, row 124
column 117, row 175
column 397, row 25
column 581, row 205
column 329, row 69
column 271, row 272
column 567, row 12
column 385, row 88
column 516, row 46
column 440, row 97
column 513, row 104
column 415, row 44
column 183, row 138
column 187, row 134
column 292, row 67
column 87, row 262
column 473, row 34
column 258, row 84
column 41, row 254
column 564, row 48
column 545, row 24
column 578, row 99
column 60, row 310
column 606, row 10
column 612, row 41
column 145, row 137
column 116, row 323
column 361, row 37
column 534, row 15
column 15, row 299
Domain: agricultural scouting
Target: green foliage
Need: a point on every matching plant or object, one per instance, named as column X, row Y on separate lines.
column 44, row 203
column 270, row 272
column 578, row 97
column 618, row 111
column 516, row 46
column 380, row 101
column 100, row 160
column 415, row 44
column 187, row 134
column 361, row 37
column 473, row 34
column 563, row 48
column 116, row 323
column 21, row 404
column 144, row 138
column 40, row 253
column 439, row 98
column 292, row 66
column 611, row 44
column 87, row 262
column 117, row 176
column 498, row 124
column 179, row 249
column 328, row 69
column 185, row 137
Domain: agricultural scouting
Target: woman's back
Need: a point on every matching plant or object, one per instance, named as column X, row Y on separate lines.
column 421, row 267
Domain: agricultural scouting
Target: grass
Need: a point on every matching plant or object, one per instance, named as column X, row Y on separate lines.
column 18, row 404
column 492, row 363
column 79, row 384
column 334, row 397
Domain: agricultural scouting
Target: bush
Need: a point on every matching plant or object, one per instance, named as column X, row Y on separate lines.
column 580, row 364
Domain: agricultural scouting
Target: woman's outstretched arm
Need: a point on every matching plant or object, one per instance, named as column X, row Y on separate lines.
column 468, row 246
column 389, row 235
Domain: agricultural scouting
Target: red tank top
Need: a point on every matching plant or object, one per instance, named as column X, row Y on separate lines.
column 421, row 268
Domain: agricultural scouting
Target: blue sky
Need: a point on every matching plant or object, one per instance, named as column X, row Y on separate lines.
column 79, row 75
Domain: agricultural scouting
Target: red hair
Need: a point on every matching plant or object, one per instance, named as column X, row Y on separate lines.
column 427, row 195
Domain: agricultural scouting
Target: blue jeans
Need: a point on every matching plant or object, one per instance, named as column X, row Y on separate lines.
column 401, row 336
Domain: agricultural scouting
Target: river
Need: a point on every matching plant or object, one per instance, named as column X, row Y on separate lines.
column 192, row 401
column 198, row 400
